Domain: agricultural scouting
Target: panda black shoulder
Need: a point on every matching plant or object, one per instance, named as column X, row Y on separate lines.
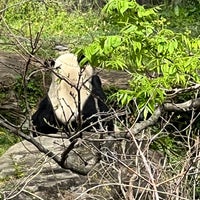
column 44, row 118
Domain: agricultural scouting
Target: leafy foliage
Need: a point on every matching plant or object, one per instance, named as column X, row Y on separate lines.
column 158, row 58
column 31, row 94
column 136, row 40
column 23, row 20
column 6, row 140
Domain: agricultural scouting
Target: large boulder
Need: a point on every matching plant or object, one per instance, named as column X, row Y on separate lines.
column 11, row 65
column 25, row 172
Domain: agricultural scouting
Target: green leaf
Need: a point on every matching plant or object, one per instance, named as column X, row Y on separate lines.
column 171, row 47
column 111, row 42
column 129, row 29
column 138, row 60
column 124, row 7
column 137, row 46
column 160, row 48
column 176, row 10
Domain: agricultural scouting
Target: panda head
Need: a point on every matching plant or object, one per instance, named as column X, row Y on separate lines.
column 70, row 88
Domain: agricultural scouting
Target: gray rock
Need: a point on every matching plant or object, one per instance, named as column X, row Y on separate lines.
column 26, row 172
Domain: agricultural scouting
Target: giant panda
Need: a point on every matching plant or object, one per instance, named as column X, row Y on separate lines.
column 74, row 101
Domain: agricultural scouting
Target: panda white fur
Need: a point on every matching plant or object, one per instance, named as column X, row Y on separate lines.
column 72, row 89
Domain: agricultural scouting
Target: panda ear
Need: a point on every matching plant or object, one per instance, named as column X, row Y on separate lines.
column 52, row 63
column 49, row 63
column 81, row 59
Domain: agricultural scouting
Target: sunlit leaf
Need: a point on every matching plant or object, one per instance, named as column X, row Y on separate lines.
column 176, row 10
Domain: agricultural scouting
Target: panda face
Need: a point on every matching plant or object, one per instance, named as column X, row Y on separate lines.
column 70, row 88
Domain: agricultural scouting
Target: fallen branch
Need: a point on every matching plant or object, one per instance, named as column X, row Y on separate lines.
column 173, row 92
column 185, row 106
column 189, row 105
column 138, row 127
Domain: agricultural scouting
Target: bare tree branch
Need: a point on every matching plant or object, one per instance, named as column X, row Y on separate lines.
column 174, row 92
column 138, row 127
column 167, row 107
column 185, row 106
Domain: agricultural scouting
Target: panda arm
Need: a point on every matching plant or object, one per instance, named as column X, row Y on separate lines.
column 90, row 106
column 45, row 116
